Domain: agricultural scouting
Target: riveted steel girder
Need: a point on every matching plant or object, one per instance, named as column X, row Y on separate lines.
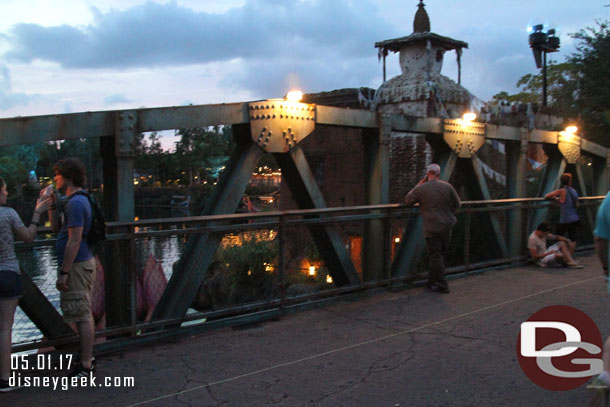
column 493, row 218
column 516, row 167
column 377, row 191
column 42, row 313
column 307, row 195
column 190, row 271
column 555, row 166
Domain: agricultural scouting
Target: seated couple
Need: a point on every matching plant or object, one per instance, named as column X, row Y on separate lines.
column 558, row 254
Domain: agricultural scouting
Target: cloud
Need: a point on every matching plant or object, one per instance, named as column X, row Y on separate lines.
column 116, row 99
column 317, row 75
column 9, row 99
column 155, row 34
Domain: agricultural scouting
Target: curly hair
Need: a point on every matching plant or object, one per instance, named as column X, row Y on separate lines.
column 72, row 169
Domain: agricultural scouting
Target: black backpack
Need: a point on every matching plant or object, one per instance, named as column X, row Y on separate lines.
column 97, row 231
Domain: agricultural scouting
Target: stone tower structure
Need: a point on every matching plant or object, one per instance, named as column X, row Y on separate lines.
column 421, row 91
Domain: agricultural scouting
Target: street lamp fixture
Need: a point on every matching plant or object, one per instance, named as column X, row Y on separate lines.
column 294, row 96
column 571, row 130
column 543, row 40
column 469, row 116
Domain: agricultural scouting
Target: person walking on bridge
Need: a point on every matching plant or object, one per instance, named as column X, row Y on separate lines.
column 438, row 202
column 72, row 219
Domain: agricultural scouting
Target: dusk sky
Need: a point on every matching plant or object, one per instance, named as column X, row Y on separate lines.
column 67, row 56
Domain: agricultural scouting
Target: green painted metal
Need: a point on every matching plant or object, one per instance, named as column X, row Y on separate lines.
column 555, row 166
column 42, row 313
column 336, row 116
column 182, row 117
column 307, row 195
column 579, row 181
column 38, row 129
column 516, row 167
column 493, row 219
column 377, row 191
column 190, row 271
column 601, row 179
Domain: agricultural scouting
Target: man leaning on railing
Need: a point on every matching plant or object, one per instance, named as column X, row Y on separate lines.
column 438, row 202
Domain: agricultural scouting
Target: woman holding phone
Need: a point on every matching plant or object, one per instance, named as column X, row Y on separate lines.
column 11, row 226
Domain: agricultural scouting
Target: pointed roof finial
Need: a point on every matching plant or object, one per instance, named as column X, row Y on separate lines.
column 421, row 23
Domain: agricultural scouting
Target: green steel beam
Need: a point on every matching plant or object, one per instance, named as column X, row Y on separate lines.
column 42, row 313
column 516, row 168
column 377, row 191
column 337, row 116
column 579, row 180
column 601, row 179
column 493, row 218
column 36, row 129
column 182, row 117
column 190, row 271
column 555, row 166
column 593, row 148
column 307, row 195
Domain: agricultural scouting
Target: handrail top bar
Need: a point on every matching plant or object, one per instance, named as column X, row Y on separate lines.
column 305, row 212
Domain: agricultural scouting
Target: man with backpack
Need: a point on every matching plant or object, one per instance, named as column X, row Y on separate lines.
column 72, row 218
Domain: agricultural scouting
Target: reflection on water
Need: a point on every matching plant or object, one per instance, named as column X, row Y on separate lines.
column 40, row 263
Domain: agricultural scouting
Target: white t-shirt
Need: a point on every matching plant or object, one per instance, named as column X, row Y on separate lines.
column 9, row 222
column 536, row 243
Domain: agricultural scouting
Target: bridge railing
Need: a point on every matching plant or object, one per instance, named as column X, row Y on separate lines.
column 265, row 265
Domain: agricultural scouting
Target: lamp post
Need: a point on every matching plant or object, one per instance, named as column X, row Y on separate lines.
column 542, row 41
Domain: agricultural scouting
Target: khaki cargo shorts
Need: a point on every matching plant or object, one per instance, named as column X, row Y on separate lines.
column 76, row 302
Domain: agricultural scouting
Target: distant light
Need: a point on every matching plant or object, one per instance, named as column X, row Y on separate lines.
column 136, row 218
column 294, row 96
column 312, row 270
column 571, row 129
column 329, row 279
column 469, row 116
column 396, row 240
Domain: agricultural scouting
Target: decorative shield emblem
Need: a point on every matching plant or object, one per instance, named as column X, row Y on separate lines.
column 278, row 125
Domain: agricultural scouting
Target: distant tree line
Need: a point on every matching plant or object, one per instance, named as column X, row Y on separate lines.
column 579, row 88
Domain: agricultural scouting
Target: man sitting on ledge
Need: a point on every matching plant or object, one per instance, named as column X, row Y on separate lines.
column 557, row 254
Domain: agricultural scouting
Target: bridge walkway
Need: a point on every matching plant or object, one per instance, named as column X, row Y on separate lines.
column 392, row 348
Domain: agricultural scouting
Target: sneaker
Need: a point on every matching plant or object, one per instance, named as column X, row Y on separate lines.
column 438, row 288
column 575, row 265
column 81, row 371
column 5, row 387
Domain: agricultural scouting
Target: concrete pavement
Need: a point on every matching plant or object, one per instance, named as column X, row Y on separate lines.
column 401, row 348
